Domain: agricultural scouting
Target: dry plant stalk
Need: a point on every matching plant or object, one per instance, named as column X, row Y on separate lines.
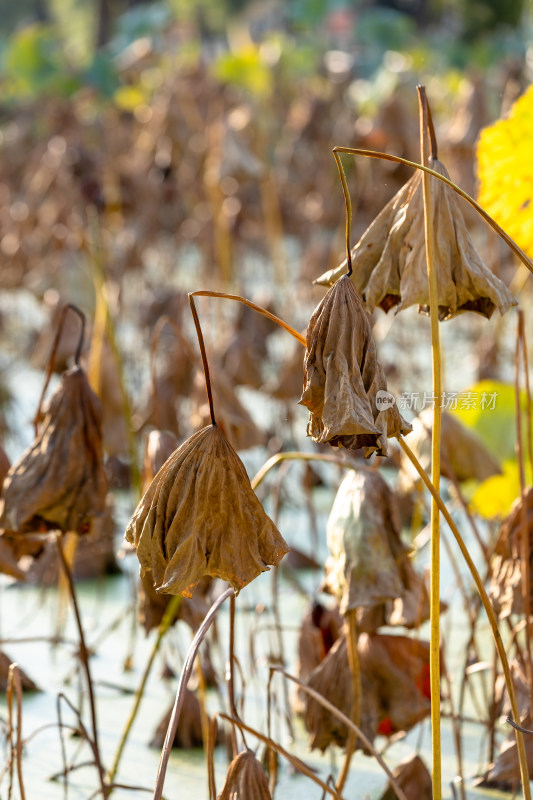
column 342, row 377
column 200, row 517
column 246, row 779
column 59, row 482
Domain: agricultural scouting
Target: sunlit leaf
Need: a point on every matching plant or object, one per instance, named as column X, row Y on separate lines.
column 495, row 496
column 245, row 69
column 488, row 407
column 505, row 168
column 129, row 97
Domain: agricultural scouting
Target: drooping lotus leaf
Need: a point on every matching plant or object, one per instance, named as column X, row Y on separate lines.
column 389, row 260
column 507, row 573
column 368, row 564
column 200, row 517
column 394, row 683
column 414, row 778
column 246, row 779
column 59, row 482
column 343, row 378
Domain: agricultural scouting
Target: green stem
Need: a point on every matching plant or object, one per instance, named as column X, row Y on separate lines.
column 434, row 651
column 167, row 620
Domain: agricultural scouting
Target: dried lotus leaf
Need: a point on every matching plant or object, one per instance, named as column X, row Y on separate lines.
column 413, row 777
column 246, row 779
column 27, row 684
column 159, row 445
column 200, row 517
column 4, row 466
column 389, row 261
column 365, row 549
column 59, row 482
column 394, row 680
column 152, row 606
column 342, row 376
column 189, row 730
column 504, row 773
column 506, row 580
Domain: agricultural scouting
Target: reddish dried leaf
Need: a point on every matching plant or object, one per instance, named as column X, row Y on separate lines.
column 414, row 778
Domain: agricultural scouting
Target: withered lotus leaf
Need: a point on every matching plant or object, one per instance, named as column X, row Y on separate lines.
column 152, row 606
column 389, row 261
column 506, row 580
column 504, row 773
column 395, row 691
column 189, row 731
column 365, row 566
column 414, row 778
column 27, row 683
column 158, row 446
column 59, row 482
column 246, row 779
column 200, row 517
column 342, row 376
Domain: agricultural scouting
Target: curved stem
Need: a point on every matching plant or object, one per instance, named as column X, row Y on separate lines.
column 360, row 151
column 255, row 307
column 348, row 204
column 84, row 658
column 295, row 455
column 180, row 694
column 168, row 618
column 434, row 651
column 52, row 357
column 524, row 772
column 204, row 356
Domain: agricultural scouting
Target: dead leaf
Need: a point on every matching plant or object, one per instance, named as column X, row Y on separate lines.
column 506, row 580
column 200, row 517
column 504, row 773
column 158, row 446
column 395, row 687
column 27, row 683
column 414, row 778
column 152, row 605
column 189, row 730
column 389, row 261
column 246, row 779
column 59, row 482
column 342, row 377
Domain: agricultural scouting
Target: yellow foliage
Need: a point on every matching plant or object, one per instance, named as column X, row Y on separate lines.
column 505, row 169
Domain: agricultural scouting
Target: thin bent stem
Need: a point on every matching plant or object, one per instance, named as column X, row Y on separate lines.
column 348, row 204
column 84, row 658
column 349, row 724
column 255, row 307
column 295, row 455
column 434, row 652
column 204, row 356
column 167, row 620
column 52, row 357
column 231, row 671
column 360, row 151
column 180, row 694
column 524, row 772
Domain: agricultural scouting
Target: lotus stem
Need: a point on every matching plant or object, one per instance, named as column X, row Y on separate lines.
column 524, row 772
column 348, row 204
column 180, row 694
column 84, row 658
column 355, row 669
column 204, row 357
column 434, row 645
column 295, row 455
column 167, row 620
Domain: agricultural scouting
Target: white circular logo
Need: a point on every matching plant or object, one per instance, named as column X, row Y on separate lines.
column 384, row 399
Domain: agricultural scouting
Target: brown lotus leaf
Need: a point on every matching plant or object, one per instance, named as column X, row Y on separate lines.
column 158, row 446
column 413, row 777
column 506, row 580
column 237, row 424
column 94, row 554
column 342, row 376
column 4, row 466
column 9, row 560
column 395, row 688
column 504, row 773
column 27, row 683
column 389, row 261
column 242, row 362
column 152, row 606
column 368, row 564
column 200, row 517
column 245, row 780
column 287, row 383
column 59, row 482
column 463, row 454
column 189, row 730
column 319, row 631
